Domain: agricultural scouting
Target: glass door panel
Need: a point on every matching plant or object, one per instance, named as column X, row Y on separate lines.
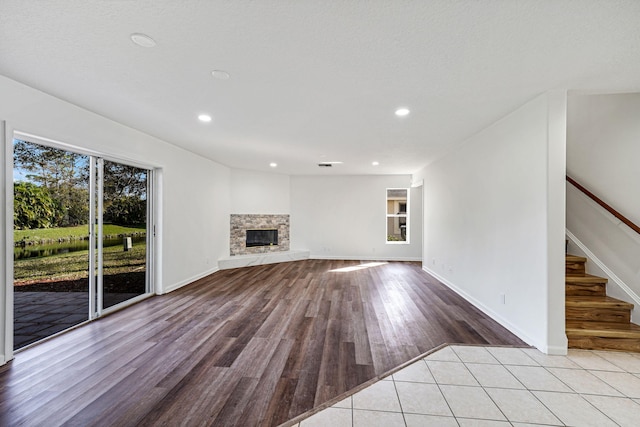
column 124, row 233
column 51, row 240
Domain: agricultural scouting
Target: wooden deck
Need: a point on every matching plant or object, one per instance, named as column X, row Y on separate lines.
column 245, row 347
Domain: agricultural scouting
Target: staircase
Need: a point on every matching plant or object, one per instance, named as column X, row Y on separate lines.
column 593, row 320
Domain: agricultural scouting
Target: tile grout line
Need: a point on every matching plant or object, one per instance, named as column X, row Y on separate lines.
column 483, row 389
column 575, row 392
column 440, row 390
column 404, row 419
column 352, row 413
column 548, row 369
column 530, row 391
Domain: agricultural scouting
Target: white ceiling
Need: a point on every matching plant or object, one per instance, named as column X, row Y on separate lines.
column 318, row 80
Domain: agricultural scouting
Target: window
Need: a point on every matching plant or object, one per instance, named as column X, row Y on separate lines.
column 397, row 215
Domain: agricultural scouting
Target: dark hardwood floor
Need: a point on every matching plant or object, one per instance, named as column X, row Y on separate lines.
column 245, row 347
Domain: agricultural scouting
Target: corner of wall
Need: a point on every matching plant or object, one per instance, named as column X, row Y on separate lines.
column 187, row 281
column 557, row 342
column 486, row 310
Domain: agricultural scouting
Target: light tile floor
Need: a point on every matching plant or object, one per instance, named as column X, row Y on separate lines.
column 497, row 386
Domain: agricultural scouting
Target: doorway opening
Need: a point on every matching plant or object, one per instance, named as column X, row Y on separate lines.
column 82, row 245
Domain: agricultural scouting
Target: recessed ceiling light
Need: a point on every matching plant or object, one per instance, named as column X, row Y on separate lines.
column 273, row 165
column 375, row 163
column 143, row 40
column 402, row 112
column 220, row 74
column 204, row 118
column 332, row 163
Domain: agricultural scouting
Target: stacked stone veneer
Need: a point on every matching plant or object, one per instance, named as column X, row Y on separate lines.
column 240, row 223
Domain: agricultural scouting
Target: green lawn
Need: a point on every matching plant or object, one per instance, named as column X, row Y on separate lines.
column 75, row 265
column 71, row 233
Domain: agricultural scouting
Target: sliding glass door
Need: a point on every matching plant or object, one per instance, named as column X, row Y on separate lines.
column 124, row 232
column 81, row 240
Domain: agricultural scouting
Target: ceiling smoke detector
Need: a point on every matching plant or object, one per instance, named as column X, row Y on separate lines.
column 142, row 40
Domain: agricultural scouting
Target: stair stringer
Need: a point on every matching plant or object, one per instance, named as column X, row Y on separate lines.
column 615, row 287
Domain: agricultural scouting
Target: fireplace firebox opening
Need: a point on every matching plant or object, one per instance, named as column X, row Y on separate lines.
column 267, row 237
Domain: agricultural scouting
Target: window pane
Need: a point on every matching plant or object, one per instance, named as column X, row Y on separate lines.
column 396, row 201
column 396, row 229
column 125, row 250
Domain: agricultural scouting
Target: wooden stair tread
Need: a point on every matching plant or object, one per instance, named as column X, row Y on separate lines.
column 602, row 329
column 587, row 278
column 593, row 320
column 596, row 302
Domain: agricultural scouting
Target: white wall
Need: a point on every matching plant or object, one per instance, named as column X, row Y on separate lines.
column 344, row 217
column 603, row 148
column 195, row 192
column 494, row 221
column 255, row 192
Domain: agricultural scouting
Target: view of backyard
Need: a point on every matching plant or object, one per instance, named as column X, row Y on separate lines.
column 52, row 208
column 55, row 259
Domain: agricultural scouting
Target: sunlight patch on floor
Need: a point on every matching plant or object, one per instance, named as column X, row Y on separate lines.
column 357, row 267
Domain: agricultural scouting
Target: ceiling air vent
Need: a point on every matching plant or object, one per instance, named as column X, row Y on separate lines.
column 328, row 164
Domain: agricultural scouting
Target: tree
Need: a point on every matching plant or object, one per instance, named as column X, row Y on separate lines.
column 126, row 210
column 125, row 194
column 33, row 206
column 123, row 180
column 64, row 174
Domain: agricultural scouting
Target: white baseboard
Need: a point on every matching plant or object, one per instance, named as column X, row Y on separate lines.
column 556, row 350
column 185, row 282
column 363, row 258
column 486, row 310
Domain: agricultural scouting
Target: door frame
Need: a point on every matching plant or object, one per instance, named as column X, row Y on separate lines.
column 6, row 252
column 154, row 273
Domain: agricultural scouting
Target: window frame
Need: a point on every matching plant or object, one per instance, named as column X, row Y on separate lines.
column 404, row 215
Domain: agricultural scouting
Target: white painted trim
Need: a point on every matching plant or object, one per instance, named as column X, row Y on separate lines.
column 610, row 274
column 157, row 285
column 6, row 142
column 555, row 350
column 47, row 142
column 124, row 304
column 364, row 258
column 407, row 216
column 188, row 281
column 486, row 310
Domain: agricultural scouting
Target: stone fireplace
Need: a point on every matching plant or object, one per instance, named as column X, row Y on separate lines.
column 240, row 223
